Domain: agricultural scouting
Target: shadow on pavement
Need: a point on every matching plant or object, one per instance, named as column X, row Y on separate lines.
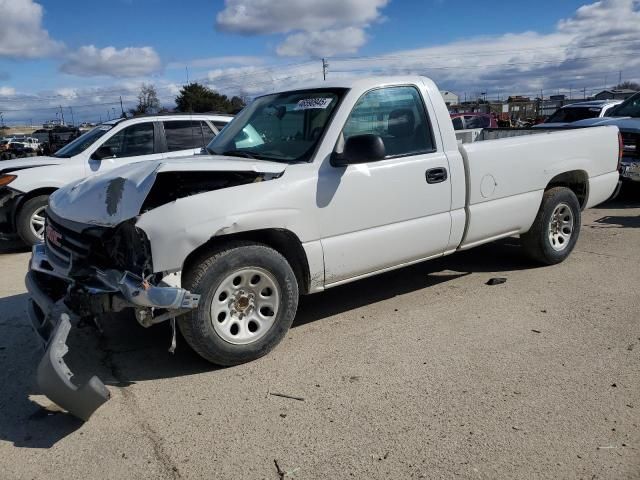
column 126, row 353
column 613, row 221
column 13, row 246
column 24, row 422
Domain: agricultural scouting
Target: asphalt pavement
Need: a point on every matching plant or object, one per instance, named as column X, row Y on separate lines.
column 424, row 372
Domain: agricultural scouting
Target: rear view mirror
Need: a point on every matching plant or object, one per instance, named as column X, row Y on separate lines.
column 360, row 149
column 102, row 153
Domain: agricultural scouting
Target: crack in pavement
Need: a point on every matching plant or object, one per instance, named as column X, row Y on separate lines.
column 130, row 402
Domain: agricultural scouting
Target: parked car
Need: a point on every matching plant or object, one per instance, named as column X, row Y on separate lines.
column 626, row 117
column 20, row 147
column 468, row 121
column 107, row 146
column 574, row 112
column 346, row 180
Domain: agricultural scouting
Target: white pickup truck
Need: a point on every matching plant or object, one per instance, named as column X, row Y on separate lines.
column 304, row 190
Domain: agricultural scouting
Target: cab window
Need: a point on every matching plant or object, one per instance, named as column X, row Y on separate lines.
column 397, row 115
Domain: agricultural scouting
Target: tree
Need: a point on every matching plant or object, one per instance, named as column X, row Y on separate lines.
column 198, row 98
column 147, row 101
column 629, row 85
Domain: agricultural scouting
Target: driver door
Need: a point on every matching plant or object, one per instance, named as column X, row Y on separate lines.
column 386, row 213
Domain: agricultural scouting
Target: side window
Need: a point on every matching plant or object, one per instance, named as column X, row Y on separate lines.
column 457, row 123
column 397, row 115
column 134, row 140
column 207, row 133
column 220, row 125
column 183, row 135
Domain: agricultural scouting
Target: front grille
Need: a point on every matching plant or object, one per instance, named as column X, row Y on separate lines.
column 631, row 141
column 64, row 247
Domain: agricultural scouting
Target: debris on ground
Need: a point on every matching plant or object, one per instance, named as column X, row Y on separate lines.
column 535, row 331
column 292, row 397
column 496, row 281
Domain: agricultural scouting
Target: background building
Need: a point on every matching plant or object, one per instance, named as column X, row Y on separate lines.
column 450, row 98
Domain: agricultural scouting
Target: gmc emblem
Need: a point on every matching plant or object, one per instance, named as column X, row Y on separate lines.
column 54, row 236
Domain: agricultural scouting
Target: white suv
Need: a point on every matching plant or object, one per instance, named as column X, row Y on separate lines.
column 26, row 183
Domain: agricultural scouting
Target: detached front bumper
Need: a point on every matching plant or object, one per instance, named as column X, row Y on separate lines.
column 52, row 322
column 57, row 302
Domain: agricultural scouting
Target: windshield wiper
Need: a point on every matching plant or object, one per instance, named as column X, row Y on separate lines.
column 239, row 153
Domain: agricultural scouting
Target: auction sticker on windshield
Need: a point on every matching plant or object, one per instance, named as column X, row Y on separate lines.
column 309, row 103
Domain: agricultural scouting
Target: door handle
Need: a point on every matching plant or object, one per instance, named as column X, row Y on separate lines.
column 436, row 175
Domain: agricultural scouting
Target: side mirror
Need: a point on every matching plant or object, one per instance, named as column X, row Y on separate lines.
column 360, row 149
column 102, row 152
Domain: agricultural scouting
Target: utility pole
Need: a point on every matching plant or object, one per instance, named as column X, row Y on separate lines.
column 122, row 108
column 620, row 77
column 186, row 69
column 325, row 67
column 584, row 93
column 73, row 121
column 1, row 120
column 108, row 115
column 62, row 114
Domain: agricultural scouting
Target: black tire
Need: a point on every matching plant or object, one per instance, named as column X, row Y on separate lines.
column 204, row 278
column 537, row 243
column 23, row 219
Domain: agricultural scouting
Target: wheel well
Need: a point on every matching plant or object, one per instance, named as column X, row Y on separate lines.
column 28, row 196
column 285, row 242
column 577, row 181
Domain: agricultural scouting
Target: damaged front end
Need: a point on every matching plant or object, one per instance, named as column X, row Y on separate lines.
column 84, row 272
column 97, row 260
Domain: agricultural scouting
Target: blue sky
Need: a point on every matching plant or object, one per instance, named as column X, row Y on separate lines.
column 78, row 53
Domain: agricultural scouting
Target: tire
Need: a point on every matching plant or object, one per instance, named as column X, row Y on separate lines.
column 549, row 242
column 26, row 220
column 209, row 329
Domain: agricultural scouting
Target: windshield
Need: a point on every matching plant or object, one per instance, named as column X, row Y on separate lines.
column 83, row 142
column 283, row 127
column 573, row 114
column 629, row 108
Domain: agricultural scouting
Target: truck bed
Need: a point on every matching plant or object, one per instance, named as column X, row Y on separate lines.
column 507, row 172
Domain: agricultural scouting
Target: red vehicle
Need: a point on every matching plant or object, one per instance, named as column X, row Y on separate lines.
column 466, row 121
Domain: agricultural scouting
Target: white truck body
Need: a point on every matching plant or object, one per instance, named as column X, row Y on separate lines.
column 343, row 221
column 330, row 220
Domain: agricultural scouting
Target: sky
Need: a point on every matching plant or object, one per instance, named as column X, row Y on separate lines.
column 86, row 55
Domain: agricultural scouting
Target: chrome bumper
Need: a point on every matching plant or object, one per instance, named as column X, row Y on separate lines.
column 630, row 170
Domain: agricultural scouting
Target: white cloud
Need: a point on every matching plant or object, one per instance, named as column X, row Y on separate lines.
column 323, row 43
column 128, row 62
column 21, row 32
column 317, row 28
column 7, row 91
column 216, row 62
column 266, row 16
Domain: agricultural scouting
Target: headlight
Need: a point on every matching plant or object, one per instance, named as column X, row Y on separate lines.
column 6, row 179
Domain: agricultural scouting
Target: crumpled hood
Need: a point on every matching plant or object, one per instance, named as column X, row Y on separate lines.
column 7, row 166
column 623, row 123
column 117, row 195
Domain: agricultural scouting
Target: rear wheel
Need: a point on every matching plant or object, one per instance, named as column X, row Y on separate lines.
column 30, row 220
column 249, row 298
column 555, row 230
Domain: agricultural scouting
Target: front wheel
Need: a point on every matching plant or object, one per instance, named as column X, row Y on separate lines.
column 555, row 230
column 30, row 220
column 249, row 298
